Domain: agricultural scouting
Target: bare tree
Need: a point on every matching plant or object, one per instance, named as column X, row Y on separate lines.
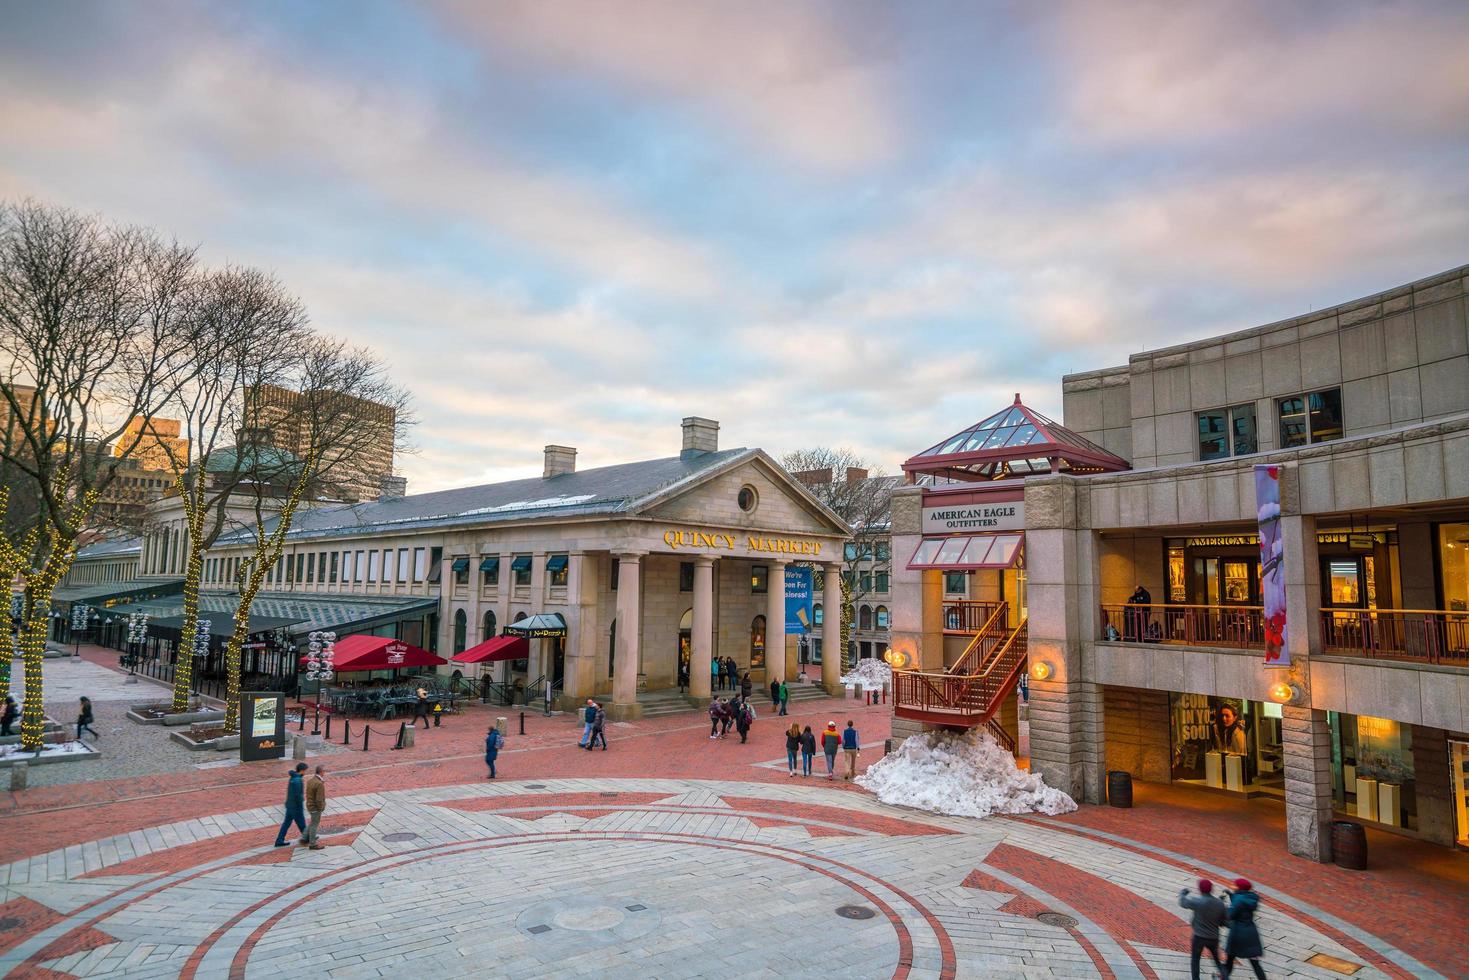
column 346, row 406
column 251, row 333
column 861, row 496
column 91, row 327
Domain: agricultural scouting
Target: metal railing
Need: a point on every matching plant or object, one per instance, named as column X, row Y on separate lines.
column 968, row 615
column 1213, row 626
column 989, row 635
column 1432, row 636
column 971, row 697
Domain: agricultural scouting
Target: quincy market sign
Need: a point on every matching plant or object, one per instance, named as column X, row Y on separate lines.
column 962, row 518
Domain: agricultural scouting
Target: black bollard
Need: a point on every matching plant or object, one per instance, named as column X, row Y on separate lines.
column 302, row 726
column 328, row 734
column 346, row 731
column 367, row 733
column 402, row 734
column 522, row 723
column 316, row 721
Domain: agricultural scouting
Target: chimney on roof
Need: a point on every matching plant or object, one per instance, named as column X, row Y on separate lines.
column 700, row 435
column 392, row 487
column 855, row 474
column 559, row 460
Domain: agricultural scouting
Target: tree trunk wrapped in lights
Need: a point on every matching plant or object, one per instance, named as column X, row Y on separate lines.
column 848, row 661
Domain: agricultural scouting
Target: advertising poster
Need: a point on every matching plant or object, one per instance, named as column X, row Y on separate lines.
column 798, row 598
column 1272, row 564
column 262, row 726
column 1201, row 723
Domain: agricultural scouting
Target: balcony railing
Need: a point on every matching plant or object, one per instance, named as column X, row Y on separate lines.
column 967, row 615
column 962, row 699
column 1432, row 636
column 1212, row 626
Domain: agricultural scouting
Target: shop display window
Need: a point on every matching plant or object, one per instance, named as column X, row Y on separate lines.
column 1453, row 555
column 1177, row 585
column 1226, row 743
column 1372, row 769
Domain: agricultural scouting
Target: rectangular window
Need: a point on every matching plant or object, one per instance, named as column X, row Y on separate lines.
column 759, row 579
column 372, row 560
column 461, row 570
column 332, row 573
column 685, row 576
column 881, row 581
column 557, row 569
column 865, row 582
column 520, row 570
column 489, row 570
column 357, row 568
column 616, row 570
column 270, row 573
column 884, row 551
column 956, row 583
column 1310, row 418
column 435, row 564
column 310, row 569
column 1226, row 432
column 849, row 551
column 420, row 564
column 403, row 566
column 321, row 566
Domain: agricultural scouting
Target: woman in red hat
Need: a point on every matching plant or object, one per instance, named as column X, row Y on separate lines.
column 1244, row 937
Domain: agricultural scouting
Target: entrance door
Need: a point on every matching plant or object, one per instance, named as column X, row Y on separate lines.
column 558, row 661
column 1342, row 583
column 685, row 642
column 1012, row 590
column 1459, row 788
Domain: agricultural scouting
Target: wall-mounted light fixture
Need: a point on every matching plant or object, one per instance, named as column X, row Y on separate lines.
column 1284, row 692
column 1042, row 670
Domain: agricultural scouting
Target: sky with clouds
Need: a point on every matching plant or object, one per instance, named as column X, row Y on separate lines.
column 846, row 223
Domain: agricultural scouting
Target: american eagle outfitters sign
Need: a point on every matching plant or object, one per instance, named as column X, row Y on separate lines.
column 1008, row 515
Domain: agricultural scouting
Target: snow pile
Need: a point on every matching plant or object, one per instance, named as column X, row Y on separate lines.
column 14, row 751
column 871, row 673
column 966, row 775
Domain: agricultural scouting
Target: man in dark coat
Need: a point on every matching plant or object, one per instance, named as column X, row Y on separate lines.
column 599, row 729
column 295, row 804
column 1208, row 916
column 1244, row 935
column 493, row 741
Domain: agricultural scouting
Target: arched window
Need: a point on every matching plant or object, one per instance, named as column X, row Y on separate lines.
column 816, row 618
column 686, row 621
column 864, row 618
column 757, row 643
column 461, row 627
column 882, row 617
column 489, row 624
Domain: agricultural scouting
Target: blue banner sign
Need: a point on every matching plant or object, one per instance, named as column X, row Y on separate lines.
column 798, row 599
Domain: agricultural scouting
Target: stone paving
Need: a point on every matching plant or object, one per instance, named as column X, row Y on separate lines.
column 625, row 878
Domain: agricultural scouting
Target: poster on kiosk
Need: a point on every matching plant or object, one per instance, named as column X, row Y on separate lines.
column 262, row 726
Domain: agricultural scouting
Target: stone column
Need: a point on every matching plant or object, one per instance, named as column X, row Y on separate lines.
column 629, row 626
column 1307, row 750
column 582, row 627
column 1435, row 792
column 831, row 631
column 775, row 623
column 702, row 640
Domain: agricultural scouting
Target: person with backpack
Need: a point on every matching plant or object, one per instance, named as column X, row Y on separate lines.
column 793, row 745
column 743, row 718
column 830, row 741
column 715, row 713
column 599, row 729
column 785, row 698
column 852, row 746
column 1244, row 935
column 808, row 750
column 493, row 741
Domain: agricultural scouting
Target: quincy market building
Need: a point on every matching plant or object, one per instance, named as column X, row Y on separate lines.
column 1150, row 483
column 625, row 570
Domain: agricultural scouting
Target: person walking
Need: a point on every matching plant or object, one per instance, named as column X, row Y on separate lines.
column 746, row 687
column 84, row 719
column 421, row 708
column 829, row 742
column 1208, row 915
column 743, row 720
column 785, row 698
column 295, row 804
column 7, row 719
column 793, row 746
column 714, row 715
column 493, row 741
column 808, row 750
column 852, row 746
column 315, row 807
column 599, row 729
column 588, row 715
column 727, row 716
column 1244, row 935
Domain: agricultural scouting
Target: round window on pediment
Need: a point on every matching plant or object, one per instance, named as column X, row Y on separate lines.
column 748, row 499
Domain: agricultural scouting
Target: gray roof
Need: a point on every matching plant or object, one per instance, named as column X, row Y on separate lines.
column 111, row 548
column 307, row 611
column 604, row 490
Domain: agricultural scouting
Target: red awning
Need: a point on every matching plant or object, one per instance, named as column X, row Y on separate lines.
column 494, row 650
column 379, row 653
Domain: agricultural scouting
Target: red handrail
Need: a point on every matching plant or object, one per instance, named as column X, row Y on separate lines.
column 992, row 632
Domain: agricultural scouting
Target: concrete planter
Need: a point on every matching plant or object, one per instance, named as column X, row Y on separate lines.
column 136, row 712
column 192, row 717
column 50, row 728
column 229, row 743
column 194, row 741
column 47, row 758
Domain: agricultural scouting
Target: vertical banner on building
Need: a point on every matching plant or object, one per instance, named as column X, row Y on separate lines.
column 1272, row 564
column 798, row 598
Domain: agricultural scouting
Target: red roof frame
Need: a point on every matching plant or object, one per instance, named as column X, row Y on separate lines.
column 1007, row 445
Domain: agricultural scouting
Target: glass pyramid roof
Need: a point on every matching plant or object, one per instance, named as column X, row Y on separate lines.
column 1014, row 442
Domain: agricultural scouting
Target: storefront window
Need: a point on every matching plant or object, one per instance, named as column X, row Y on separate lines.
column 1459, row 787
column 1177, row 587
column 1372, row 769
column 1226, row 743
column 1453, row 556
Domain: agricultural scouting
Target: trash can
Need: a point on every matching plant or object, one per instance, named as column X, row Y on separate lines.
column 1349, row 845
column 1119, row 788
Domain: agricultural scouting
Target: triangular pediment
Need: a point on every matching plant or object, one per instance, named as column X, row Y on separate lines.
column 781, row 503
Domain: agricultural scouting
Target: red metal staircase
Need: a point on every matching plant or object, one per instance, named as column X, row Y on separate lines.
column 971, row 692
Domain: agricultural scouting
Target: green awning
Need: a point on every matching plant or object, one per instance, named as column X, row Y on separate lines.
column 520, row 564
column 539, row 626
column 460, row 565
column 557, row 563
column 490, row 564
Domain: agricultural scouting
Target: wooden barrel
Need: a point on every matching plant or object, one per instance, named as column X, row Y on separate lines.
column 1349, row 845
column 1119, row 788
